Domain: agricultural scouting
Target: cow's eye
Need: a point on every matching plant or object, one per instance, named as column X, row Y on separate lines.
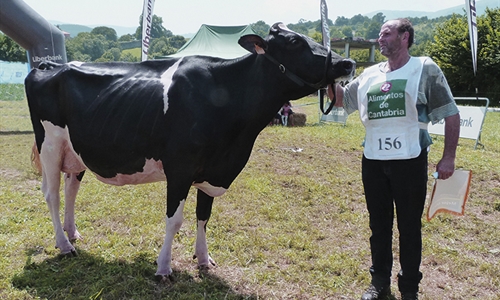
column 295, row 42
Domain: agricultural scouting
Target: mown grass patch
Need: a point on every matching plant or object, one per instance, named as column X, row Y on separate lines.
column 135, row 52
column 292, row 226
column 12, row 92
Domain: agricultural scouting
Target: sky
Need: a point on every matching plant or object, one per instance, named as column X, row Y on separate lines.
column 186, row 16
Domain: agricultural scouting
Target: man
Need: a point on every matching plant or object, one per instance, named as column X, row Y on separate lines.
column 396, row 100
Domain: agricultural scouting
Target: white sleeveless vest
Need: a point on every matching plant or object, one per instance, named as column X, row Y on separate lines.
column 387, row 107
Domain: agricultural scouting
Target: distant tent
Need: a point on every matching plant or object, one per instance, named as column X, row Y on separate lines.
column 216, row 41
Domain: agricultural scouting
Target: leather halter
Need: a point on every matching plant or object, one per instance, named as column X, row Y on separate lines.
column 301, row 82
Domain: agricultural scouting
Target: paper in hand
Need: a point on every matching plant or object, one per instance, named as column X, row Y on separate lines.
column 450, row 195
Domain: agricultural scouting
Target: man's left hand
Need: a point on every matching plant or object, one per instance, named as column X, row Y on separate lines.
column 445, row 168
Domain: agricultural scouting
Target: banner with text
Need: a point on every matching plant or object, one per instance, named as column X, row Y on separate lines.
column 471, row 122
column 147, row 21
column 470, row 8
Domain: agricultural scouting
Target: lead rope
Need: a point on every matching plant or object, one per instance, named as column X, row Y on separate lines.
column 322, row 100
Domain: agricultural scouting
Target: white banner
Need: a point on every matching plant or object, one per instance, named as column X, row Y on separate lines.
column 147, row 21
column 471, row 122
column 470, row 8
column 324, row 24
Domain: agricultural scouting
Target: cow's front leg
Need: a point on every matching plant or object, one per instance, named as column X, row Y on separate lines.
column 71, row 187
column 203, row 211
column 173, row 224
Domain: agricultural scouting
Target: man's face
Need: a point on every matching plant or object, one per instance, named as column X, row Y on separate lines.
column 390, row 41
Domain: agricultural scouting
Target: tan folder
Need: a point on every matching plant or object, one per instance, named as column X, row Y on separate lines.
column 450, row 195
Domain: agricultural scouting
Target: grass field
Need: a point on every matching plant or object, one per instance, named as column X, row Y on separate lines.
column 292, row 226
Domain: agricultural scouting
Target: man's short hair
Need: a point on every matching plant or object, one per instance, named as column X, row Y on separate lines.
column 405, row 25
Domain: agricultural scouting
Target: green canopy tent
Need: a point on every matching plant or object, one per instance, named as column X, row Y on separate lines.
column 216, row 41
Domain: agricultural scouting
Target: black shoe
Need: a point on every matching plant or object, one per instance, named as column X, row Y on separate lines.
column 373, row 292
column 409, row 296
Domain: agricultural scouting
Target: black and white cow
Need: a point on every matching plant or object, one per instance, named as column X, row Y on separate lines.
column 193, row 120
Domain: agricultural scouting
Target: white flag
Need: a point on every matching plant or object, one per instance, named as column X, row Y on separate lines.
column 324, row 24
column 470, row 8
column 147, row 21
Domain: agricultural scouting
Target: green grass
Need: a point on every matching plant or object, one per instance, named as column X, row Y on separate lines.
column 292, row 226
column 10, row 92
column 136, row 52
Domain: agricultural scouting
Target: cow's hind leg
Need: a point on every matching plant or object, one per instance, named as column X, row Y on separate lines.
column 203, row 211
column 71, row 187
column 51, row 182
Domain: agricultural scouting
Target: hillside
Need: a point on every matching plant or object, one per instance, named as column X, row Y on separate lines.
column 74, row 29
column 459, row 9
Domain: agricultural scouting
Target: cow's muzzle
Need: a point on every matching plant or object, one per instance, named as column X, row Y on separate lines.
column 346, row 66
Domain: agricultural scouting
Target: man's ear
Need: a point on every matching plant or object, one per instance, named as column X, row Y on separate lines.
column 253, row 43
column 406, row 35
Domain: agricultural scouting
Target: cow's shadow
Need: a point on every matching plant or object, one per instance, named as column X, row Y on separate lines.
column 90, row 277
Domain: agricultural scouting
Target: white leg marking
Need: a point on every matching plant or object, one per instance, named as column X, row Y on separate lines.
column 201, row 248
column 173, row 225
column 51, row 159
column 166, row 79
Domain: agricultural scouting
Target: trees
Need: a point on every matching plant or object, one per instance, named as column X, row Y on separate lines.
column 101, row 44
column 261, row 28
column 157, row 29
column 451, row 51
column 107, row 32
column 301, row 27
column 10, row 50
column 126, row 38
column 160, row 47
column 86, row 47
column 341, row 21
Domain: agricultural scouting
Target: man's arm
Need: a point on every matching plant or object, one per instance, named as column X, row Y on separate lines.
column 339, row 94
column 446, row 165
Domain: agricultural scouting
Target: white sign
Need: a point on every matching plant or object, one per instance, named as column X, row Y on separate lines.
column 13, row 72
column 471, row 122
column 337, row 114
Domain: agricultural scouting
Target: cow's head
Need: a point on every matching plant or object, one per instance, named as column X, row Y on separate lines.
column 299, row 57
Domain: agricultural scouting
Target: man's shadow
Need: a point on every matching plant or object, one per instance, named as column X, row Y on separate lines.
column 90, row 277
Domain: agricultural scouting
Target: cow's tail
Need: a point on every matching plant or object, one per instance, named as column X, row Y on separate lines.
column 38, row 130
column 35, row 159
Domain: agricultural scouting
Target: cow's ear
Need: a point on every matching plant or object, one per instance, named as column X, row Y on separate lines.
column 253, row 43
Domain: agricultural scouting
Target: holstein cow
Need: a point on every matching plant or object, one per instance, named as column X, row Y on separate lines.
column 193, row 120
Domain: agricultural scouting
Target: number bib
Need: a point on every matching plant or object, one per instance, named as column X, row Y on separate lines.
column 390, row 145
column 387, row 106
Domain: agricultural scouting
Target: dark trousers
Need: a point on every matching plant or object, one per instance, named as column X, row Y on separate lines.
column 403, row 183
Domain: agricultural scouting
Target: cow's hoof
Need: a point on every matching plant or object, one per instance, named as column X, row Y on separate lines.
column 70, row 254
column 204, row 267
column 210, row 261
column 164, row 279
column 203, row 270
column 75, row 238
